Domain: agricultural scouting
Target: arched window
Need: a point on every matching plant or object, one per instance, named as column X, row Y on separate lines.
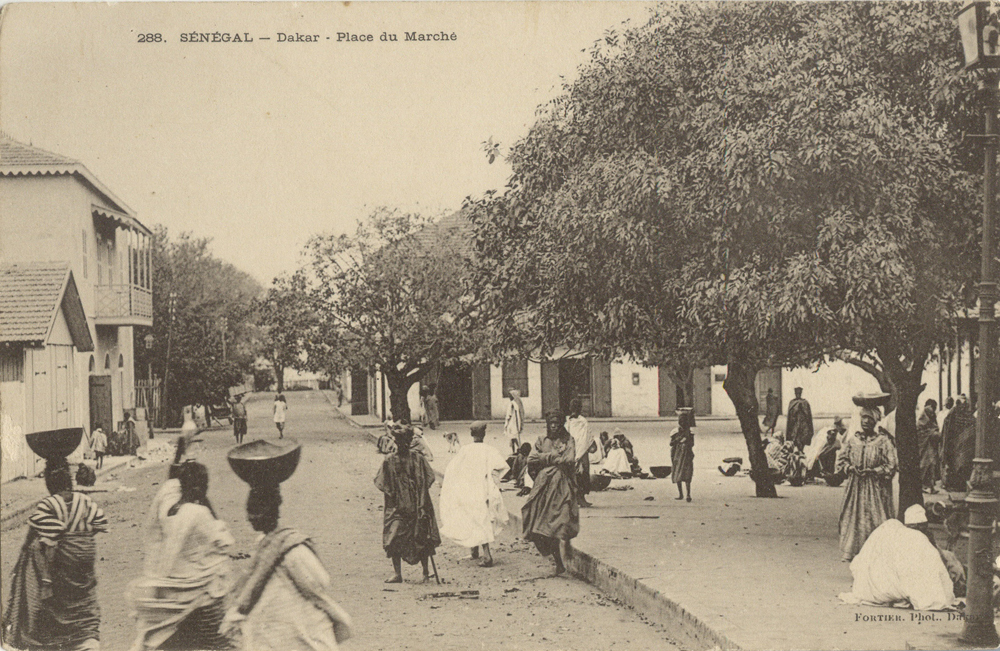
column 107, row 362
column 92, row 364
column 121, row 361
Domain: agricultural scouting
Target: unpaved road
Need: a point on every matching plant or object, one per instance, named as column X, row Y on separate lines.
column 332, row 498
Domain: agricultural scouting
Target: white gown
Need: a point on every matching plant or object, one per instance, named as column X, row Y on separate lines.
column 472, row 509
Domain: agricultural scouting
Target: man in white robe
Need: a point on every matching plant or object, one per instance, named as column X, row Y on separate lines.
column 583, row 437
column 898, row 563
column 514, row 421
column 472, row 509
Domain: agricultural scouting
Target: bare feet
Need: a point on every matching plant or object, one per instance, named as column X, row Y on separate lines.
column 475, row 553
column 679, row 497
column 560, row 569
column 688, row 498
column 486, row 562
column 395, row 579
column 585, row 504
column 427, row 577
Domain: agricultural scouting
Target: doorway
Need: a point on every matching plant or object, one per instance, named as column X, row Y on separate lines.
column 100, row 403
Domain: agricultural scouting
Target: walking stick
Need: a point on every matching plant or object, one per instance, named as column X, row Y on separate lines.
column 434, row 565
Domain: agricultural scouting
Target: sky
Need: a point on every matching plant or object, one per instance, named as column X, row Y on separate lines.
column 258, row 145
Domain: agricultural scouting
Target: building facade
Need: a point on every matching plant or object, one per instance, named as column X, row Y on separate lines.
column 55, row 211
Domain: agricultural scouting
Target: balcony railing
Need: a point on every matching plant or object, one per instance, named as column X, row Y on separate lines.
column 123, row 305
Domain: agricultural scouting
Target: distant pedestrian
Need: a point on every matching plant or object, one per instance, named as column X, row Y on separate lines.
column 472, row 508
column 514, row 421
column 99, row 442
column 280, row 410
column 868, row 459
column 929, row 437
column 410, row 530
column 551, row 514
column 771, row 410
column 799, row 421
column 239, row 418
column 682, row 452
column 583, row 437
column 431, row 407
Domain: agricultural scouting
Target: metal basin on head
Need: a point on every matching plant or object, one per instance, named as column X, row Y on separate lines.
column 260, row 462
column 871, row 400
column 55, row 443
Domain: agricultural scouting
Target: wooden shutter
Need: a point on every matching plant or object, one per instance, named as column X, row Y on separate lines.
column 601, row 383
column 481, row 406
column 550, row 387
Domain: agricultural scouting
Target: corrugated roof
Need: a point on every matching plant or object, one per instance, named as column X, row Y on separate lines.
column 31, row 295
column 19, row 159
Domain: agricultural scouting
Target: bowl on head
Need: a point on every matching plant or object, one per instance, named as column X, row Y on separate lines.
column 870, row 400
column 55, row 443
column 660, row 472
column 265, row 463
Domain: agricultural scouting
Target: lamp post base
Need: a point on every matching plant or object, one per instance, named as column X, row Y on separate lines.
column 979, row 629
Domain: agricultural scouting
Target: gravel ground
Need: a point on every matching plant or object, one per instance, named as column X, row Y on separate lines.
column 331, row 497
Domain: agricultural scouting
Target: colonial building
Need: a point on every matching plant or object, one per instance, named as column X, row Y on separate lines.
column 55, row 211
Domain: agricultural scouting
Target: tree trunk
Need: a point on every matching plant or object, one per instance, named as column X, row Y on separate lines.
column 742, row 391
column 279, row 377
column 399, row 385
column 682, row 375
column 908, row 388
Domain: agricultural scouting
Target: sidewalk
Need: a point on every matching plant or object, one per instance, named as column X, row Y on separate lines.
column 728, row 569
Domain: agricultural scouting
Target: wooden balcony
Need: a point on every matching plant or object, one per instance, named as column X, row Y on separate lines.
column 123, row 305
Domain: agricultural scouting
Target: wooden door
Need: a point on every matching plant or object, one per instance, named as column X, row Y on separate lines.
column 668, row 393
column 702, row 392
column 359, row 392
column 550, row 387
column 601, row 385
column 768, row 378
column 63, row 386
column 481, row 405
column 100, row 403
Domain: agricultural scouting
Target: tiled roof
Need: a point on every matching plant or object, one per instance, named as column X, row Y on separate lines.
column 17, row 154
column 455, row 224
column 30, row 295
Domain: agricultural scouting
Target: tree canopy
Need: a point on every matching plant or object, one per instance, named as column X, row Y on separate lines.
column 750, row 184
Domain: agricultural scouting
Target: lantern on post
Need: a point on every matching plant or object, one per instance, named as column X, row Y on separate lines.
column 979, row 34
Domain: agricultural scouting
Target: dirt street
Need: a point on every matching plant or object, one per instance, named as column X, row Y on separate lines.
column 332, row 498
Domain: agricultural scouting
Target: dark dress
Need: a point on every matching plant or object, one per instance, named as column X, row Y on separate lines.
column 682, row 454
column 410, row 530
column 771, row 411
column 958, row 447
column 799, row 424
column 929, row 438
column 551, row 512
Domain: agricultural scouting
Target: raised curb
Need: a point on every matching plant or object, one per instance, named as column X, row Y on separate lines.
column 651, row 603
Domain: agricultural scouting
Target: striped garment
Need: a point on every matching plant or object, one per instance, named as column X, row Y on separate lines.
column 53, row 516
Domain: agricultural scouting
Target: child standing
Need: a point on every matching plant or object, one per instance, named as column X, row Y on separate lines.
column 99, row 442
column 280, row 407
column 682, row 451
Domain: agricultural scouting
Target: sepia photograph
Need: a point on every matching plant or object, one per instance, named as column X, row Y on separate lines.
column 552, row 325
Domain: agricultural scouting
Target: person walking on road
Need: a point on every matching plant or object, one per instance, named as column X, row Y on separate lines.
column 280, row 410
column 958, row 446
column 53, row 590
column 179, row 601
column 771, row 410
column 410, row 531
column 99, row 443
column 472, row 508
column 799, row 423
column 551, row 513
column 431, row 407
column 283, row 603
column 239, row 418
column 868, row 458
column 682, row 452
column 583, row 438
column 514, row 421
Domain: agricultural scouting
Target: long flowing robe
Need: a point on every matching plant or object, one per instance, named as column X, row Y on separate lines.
column 682, row 454
column 898, row 564
column 187, row 574
column 799, row 423
column 284, row 602
column 583, row 436
column 513, row 423
column 929, row 438
column 958, row 447
column 472, row 509
column 410, row 530
column 53, row 592
column 867, row 497
column 771, row 411
column 431, row 411
column 551, row 512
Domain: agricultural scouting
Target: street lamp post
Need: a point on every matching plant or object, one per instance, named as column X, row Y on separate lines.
column 166, row 369
column 979, row 36
column 150, row 414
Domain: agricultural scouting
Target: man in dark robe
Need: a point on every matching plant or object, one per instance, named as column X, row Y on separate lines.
column 958, row 445
column 799, row 425
column 410, row 530
column 929, row 437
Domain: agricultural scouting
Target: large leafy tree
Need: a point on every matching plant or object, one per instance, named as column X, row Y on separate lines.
column 205, row 332
column 287, row 323
column 750, row 184
column 394, row 296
